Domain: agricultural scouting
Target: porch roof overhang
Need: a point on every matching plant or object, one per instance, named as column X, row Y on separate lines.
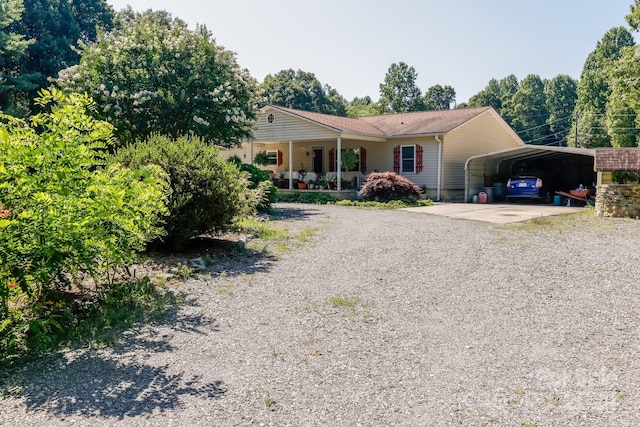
column 348, row 136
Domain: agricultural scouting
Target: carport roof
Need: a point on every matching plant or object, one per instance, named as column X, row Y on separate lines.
column 531, row 151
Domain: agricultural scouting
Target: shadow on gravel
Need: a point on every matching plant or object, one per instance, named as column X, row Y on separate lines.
column 284, row 211
column 115, row 382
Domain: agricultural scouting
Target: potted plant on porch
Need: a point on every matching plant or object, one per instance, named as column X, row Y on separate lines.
column 348, row 159
column 302, row 184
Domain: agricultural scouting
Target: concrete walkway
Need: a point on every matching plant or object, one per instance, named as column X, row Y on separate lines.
column 497, row 213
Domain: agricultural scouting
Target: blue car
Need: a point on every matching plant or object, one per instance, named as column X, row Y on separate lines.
column 526, row 187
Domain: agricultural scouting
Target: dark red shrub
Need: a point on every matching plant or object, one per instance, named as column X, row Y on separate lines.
column 385, row 186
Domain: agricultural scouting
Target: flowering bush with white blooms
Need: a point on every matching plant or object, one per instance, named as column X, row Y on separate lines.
column 153, row 75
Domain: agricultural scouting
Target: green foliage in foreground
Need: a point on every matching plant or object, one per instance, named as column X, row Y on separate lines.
column 67, row 224
column 98, row 319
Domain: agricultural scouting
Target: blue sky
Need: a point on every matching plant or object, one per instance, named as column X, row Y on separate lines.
column 350, row 44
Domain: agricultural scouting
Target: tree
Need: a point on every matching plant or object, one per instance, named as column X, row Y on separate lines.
column 594, row 89
column 151, row 74
column 12, row 48
column 490, row 96
column 399, row 92
column 497, row 94
column 360, row 107
column 303, row 91
column 528, row 110
column 560, row 94
column 439, row 98
column 56, row 26
column 621, row 120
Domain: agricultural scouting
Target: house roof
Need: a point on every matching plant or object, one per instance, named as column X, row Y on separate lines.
column 393, row 125
column 424, row 122
column 343, row 124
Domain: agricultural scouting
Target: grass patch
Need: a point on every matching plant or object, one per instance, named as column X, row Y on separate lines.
column 261, row 229
column 306, row 235
column 269, row 400
column 99, row 319
column 266, row 236
column 348, row 307
column 583, row 220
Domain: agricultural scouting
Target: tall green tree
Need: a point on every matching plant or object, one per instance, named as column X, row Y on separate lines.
column 623, row 105
column 528, row 110
column 152, row 74
column 303, row 91
column 589, row 127
column 399, row 92
column 12, row 49
column 560, row 94
column 490, row 96
column 621, row 120
column 439, row 98
column 497, row 94
column 365, row 106
column 56, row 26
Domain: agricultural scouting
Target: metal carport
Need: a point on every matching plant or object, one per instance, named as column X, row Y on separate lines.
column 562, row 167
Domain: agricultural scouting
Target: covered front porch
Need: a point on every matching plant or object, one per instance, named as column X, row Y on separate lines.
column 313, row 165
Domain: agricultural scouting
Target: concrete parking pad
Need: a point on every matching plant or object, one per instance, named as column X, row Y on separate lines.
column 498, row 213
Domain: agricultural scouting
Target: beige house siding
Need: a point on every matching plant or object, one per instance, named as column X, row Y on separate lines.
column 286, row 127
column 382, row 160
column 483, row 134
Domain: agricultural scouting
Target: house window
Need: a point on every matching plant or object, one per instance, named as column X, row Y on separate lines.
column 408, row 158
column 271, row 118
column 272, row 157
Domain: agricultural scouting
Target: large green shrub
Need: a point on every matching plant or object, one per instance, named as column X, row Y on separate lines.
column 207, row 192
column 63, row 216
column 385, row 186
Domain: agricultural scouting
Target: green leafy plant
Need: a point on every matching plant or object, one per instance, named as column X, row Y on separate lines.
column 264, row 194
column 348, row 159
column 261, row 158
column 207, row 192
column 68, row 225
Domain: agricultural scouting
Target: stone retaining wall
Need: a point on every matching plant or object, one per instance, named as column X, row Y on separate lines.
column 618, row 201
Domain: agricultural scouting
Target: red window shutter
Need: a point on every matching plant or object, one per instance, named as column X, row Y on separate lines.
column 279, row 157
column 418, row 158
column 332, row 160
column 363, row 160
column 396, row 159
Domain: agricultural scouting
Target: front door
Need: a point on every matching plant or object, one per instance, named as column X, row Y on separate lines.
column 318, row 160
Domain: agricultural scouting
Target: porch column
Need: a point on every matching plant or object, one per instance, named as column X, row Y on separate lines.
column 251, row 150
column 290, row 165
column 339, row 164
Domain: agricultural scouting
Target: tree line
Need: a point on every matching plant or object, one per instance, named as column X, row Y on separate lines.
column 180, row 82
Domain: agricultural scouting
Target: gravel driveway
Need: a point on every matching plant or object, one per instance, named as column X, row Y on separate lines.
column 385, row 318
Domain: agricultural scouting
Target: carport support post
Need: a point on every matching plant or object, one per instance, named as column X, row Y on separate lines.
column 439, row 183
column 290, row 165
column 339, row 164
